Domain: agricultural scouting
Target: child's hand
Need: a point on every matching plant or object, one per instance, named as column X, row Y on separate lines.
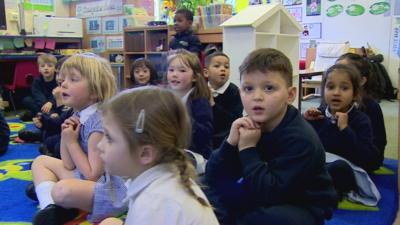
column 37, row 122
column 71, row 121
column 70, row 132
column 313, row 114
column 234, row 134
column 57, row 95
column 54, row 115
column 46, row 107
column 342, row 120
column 248, row 137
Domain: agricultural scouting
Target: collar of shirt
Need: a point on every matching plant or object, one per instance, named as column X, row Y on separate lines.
column 186, row 96
column 333, row 118
column 86, row 112
column 137, row 185
column 220, row 90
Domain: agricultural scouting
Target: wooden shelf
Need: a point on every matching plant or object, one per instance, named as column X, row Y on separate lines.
column 143, row 41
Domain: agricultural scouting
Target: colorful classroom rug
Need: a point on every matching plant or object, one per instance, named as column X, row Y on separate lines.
column 17, row 209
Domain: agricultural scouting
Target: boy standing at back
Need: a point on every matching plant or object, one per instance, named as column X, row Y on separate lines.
column 41, row 98
column 184, row 37
column 225, row 99
column 271, row 168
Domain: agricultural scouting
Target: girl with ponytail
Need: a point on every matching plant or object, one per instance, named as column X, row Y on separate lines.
column 145, row 142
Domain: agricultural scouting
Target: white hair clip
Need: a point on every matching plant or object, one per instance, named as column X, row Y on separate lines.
column 140, row 122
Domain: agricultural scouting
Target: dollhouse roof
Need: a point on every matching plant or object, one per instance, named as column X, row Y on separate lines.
column 256, row 15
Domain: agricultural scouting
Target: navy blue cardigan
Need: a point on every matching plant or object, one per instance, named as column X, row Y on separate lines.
column 286, row 167
column 186, row 40
column 202, row 126
column 228, row 107
column 42, row 91
column 354, row 143
column 374, row 112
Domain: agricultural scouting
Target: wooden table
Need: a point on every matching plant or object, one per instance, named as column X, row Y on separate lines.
column 305, row 74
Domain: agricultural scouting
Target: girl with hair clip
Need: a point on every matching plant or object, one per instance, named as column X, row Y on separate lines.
column 78, row 180
column 368, row 103
column 146, row 142
column 185, row 78
column 143, row 73
column 346, row 133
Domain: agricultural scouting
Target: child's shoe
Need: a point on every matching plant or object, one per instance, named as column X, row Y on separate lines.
column 30, row 192
column 54, row 215
column 30, row 136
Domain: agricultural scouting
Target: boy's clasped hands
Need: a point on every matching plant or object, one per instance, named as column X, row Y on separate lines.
column 244, row 133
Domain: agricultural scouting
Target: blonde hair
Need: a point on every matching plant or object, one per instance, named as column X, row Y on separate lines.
column 165, row 125
column 192, row 61
column 47, row 58
column 98, row 72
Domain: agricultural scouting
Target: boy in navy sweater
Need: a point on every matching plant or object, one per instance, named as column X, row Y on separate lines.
column 271, row 168
column 41, row 98
column 184, row 37
column 225, row 100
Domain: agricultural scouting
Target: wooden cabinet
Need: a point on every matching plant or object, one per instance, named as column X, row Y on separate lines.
column 145, row 42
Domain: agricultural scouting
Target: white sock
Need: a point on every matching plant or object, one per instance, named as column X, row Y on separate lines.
column 43, row 193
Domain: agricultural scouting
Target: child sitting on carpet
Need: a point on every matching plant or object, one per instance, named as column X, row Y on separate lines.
column 225, row 100
column 146, row 142
column 271, row 168
column 369, row 104
column 185, row 78
column 345, row 131
column 78, row 180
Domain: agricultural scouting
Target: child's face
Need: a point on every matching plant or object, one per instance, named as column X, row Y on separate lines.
column 114, row 151
column 75, row 90
column 181, row 23
column 142, row 75
column 180, row 77
column 218, row 71
column 47, row 70
column 265, row 97
column 339, row 93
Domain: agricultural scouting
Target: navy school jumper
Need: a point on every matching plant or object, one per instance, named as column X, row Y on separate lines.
column 287, row 167
column 354, row 143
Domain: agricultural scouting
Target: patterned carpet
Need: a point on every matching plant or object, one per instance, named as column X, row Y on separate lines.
column 17, row 209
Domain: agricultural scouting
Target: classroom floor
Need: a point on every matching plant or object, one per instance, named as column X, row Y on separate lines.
column 390, row 112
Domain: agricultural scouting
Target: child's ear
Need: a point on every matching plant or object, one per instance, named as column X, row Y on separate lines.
column 205, row 72
column 292, row 92
column 147, row 154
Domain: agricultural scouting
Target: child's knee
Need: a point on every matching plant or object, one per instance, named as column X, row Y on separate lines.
column 39, row 161
column 61, row 192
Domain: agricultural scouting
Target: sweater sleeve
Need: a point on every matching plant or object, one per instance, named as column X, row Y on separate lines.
column 194, row 44
column 359, row 146
column 37, row 92
column 275, row 182
column 202, row 126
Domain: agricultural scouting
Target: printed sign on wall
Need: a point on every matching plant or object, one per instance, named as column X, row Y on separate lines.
column 99, row 8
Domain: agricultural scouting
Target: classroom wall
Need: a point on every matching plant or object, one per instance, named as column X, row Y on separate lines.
column 376, row 30
column 13, row 17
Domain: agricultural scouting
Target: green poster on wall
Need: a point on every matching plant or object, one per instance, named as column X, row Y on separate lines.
column 39, row 5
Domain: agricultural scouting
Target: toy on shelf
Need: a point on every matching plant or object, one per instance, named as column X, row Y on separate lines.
column 168, row 9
